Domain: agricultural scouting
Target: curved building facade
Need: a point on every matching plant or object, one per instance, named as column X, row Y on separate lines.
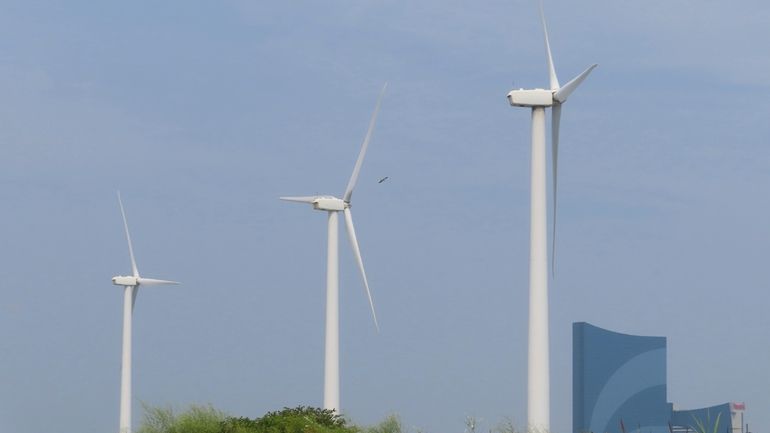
column 618, row 380
column 619, row 386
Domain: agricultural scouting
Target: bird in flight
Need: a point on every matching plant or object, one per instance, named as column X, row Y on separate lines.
column 383, row 179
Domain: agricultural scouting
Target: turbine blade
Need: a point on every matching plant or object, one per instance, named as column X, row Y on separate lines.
column 155, row 282
column 364, row 146
column 305, row 199
column 554, row 81
column 128, row 237
column 555, row 119
column 357, row 253
column 134, row 292
column 563, row 93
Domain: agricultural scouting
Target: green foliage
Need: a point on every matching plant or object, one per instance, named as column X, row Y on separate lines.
column 302, row 419
column 238, row 425
column 506, row 426
column 391, row 424
column 157, row 419
column 291, row 420
column 206, row 419
column 197, row 419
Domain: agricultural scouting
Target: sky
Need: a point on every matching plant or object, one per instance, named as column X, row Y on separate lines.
column 203, row 113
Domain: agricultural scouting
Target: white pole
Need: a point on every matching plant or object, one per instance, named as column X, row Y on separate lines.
column 125, row 370
column 332, row 361
column 538, row 385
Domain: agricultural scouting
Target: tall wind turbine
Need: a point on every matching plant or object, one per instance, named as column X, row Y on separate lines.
column 333, row 205
column 538, row 385
column 130, row 285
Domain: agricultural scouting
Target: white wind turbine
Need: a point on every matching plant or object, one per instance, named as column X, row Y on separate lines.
column 333, row 205
column 130, row 285
column 538, row 386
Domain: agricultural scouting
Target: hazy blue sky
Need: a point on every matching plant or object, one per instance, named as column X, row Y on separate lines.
column 203, row 112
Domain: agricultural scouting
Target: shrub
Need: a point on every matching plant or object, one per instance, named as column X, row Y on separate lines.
column 196, row 419
column 391, row 424
column 291, row 420
column 302, row 419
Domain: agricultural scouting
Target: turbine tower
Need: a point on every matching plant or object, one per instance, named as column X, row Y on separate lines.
column 333, row 205
column 538, row 384
column 130, row 285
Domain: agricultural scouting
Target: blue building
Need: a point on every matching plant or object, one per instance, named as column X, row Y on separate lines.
column 619, row 386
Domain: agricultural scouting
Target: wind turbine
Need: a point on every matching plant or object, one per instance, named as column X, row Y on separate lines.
column 538, row 386
column 333, row 205
column 130, row 285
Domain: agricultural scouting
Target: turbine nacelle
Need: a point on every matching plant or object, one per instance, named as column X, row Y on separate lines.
column 330, row 204
column 531, row 98
column 121, row 280
column 323, row 202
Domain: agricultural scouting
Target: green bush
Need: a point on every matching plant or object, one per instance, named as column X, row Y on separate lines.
column 196, row 419
column 206, row 419
column 291, row 420
column 391, row 424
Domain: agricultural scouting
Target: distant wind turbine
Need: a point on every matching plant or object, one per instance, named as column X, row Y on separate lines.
column 333, row 205
column 130, row 285
column 538, row 400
